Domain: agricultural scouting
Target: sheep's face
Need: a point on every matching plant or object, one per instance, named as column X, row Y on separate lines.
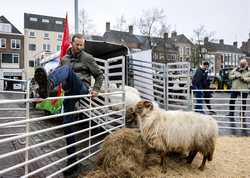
column 131, row 118
column 143, row 107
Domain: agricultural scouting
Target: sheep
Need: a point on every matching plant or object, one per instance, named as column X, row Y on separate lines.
column 132, row 96
column 177, row 131
column 122, row 153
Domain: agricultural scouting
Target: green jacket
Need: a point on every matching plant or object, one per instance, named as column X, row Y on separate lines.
column 85, row 66
column 240, row 78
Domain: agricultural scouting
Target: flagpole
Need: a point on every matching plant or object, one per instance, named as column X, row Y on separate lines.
column 76, row 16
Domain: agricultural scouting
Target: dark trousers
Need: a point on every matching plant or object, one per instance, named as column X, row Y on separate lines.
column 74, row 87
column 234, row 95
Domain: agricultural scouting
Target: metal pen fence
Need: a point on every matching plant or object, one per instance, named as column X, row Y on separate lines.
column 43, row 152
column 91, row 140
column 230, row 112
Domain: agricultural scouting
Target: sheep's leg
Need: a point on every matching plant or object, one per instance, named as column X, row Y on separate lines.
column 191, row 156
column 203, row 163
column 163, row 161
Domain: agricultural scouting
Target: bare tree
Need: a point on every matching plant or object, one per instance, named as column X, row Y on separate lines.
column 199, row 35
column 152, row 23
column 85, row 23
column 121, row 23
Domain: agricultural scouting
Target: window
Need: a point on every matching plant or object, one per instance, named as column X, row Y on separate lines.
column 188, row 51
column 46, row 35
column 59, row 36
column 33, row 19
column 32, row 34
column 15, row 58
column 58, row 47
column 10, row 58
column 46, row 47
column 31, row 63
column 2, row 43
column 59, row 22
column 5, row 27
column 15, row 44
column 32, row 47
column 45, row 20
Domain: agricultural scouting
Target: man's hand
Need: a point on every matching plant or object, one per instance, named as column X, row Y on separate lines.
column 93, row 93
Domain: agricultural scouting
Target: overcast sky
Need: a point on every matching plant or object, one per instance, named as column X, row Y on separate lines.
column 230, row 19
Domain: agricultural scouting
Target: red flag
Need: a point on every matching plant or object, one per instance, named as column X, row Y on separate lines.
column 64, row 47
column 66, row 40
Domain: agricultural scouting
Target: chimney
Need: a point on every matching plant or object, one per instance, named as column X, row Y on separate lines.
column 130, row 29
column 221, row 41
column 249, row 35
column 173, row 34
column 107, row 26
column 235, row 44
column 165, row 36
column 205, row 40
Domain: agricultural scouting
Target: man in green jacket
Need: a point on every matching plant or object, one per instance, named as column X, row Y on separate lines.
column 240, row 77
column 75, row 70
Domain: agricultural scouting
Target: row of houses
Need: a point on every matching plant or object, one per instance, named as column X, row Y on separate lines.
column 20, row 53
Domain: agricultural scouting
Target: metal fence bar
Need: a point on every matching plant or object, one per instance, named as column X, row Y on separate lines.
column 27, row 129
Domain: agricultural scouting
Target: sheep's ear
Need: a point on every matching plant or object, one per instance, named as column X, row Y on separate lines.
column 148, row 104
column 130, row 110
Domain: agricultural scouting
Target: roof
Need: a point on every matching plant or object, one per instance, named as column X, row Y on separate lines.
column 13, row 28
column 45, row 26
column 120, row 36
column 181, row 39
column 221, row 47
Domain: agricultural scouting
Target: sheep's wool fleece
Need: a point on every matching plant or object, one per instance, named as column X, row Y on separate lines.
column 177, row 130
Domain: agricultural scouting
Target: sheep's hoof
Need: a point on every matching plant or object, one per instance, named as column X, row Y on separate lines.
column 201, row 168
column 164, row 170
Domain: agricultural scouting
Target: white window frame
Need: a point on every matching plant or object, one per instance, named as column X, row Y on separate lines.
column 46, row 47
column 46, row 35
column 31, row 44
column 59, row 22
column 1, row 40
column 59, row 34
column 31, row 36
column 12, row 60
column 33, row 19
column 15, row 43
column 45, row 20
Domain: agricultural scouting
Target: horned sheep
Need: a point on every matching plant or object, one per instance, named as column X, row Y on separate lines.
column 177, row 131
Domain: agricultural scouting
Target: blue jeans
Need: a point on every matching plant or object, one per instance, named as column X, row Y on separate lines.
column 75, row 86
column 199, row 100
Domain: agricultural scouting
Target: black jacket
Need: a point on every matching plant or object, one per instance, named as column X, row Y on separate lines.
column 200, row 80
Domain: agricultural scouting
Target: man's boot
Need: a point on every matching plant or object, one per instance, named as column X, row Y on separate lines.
column 74, row 169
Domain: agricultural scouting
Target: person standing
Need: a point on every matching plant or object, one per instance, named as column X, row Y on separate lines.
column 75, row 73
column 198, row 83
column 240, row 77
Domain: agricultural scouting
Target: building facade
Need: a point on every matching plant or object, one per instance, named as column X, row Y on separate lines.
column 11, row 55
column 222, row 55
column 245, row 47
column 42, row 36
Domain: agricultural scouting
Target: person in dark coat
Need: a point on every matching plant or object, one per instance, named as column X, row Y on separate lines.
column 207, row 94
column 198, row 83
